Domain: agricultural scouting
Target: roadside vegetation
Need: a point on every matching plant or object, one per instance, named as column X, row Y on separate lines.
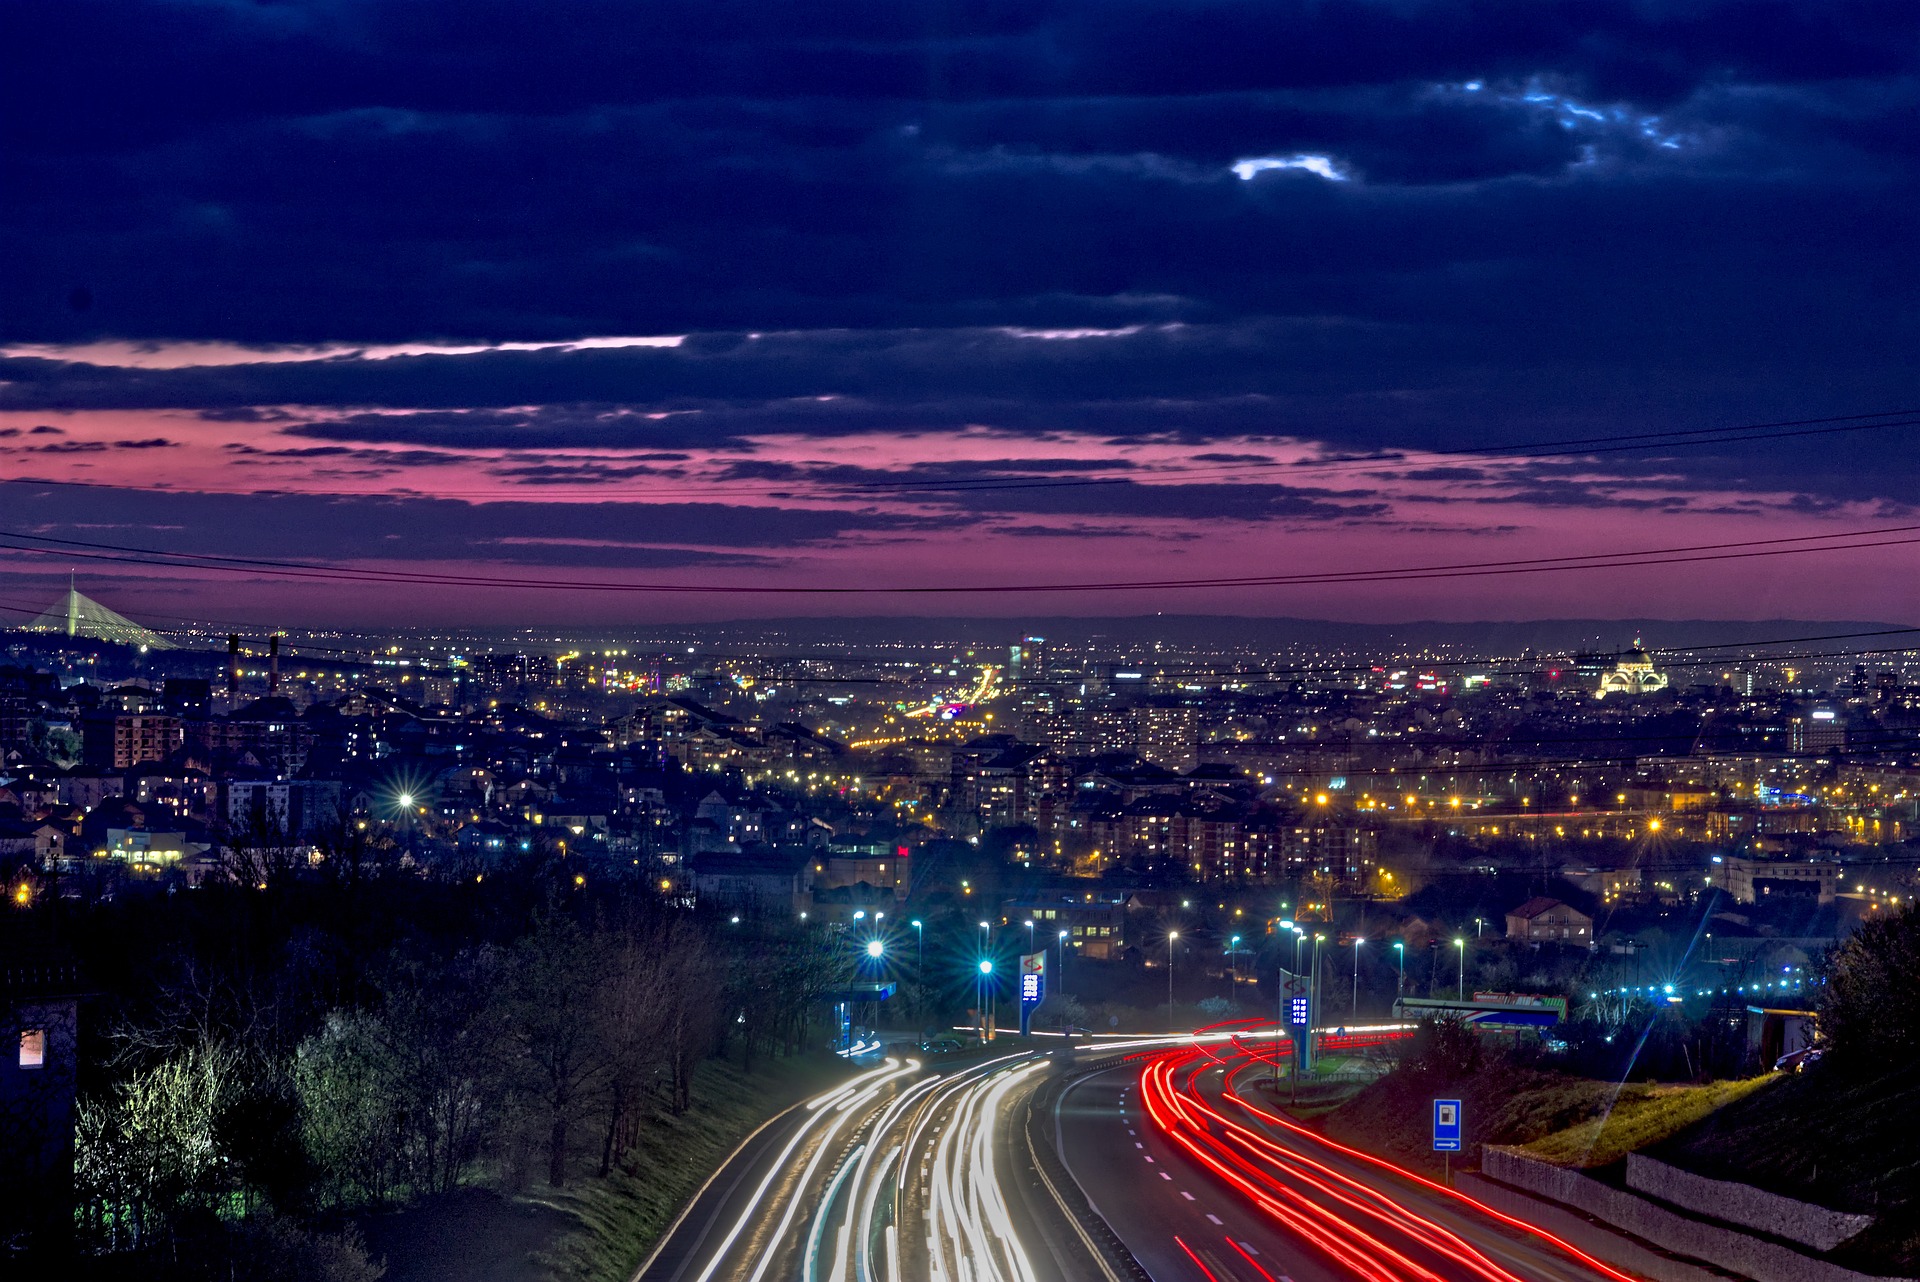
column 269, row 1067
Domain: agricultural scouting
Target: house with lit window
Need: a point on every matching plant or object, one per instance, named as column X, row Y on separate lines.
column 40, row 993
column 1544, row 920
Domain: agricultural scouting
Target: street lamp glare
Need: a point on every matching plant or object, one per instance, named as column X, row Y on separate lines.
column 861, row 915
column 406, row 799
column 916, row 925
column 986, row 966
column 875, row 948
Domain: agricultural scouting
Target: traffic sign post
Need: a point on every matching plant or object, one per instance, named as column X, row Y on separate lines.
column 1300, row 1022
column 1446, row 1132
column 1033, row 986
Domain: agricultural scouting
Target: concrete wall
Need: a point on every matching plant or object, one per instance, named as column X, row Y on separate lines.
column 1744, row 1205
column 1726, row 1248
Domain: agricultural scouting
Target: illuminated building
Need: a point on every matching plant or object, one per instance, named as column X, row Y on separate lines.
column 1633, row 673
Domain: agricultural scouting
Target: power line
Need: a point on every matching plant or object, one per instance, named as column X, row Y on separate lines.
column 1731, row 550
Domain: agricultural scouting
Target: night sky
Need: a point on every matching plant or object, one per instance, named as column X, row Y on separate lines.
column 760, row 294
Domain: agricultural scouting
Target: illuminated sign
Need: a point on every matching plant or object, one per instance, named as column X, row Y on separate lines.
column 1298, row 1009
column 1033, row 978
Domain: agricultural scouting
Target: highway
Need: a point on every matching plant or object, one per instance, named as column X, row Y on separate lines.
column 918, row 1173
column 905, row 1173
column 1245, row 1195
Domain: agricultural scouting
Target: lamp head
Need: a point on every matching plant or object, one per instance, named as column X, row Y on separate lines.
column 875, row 948
column 986, row 966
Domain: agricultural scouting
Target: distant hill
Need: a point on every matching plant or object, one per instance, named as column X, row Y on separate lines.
column 1549, row 636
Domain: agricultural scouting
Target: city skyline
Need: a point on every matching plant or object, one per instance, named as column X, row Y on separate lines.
column 846, row 303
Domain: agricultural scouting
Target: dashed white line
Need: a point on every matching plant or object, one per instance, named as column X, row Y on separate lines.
column 1213, row 1217
column 1187, row 1195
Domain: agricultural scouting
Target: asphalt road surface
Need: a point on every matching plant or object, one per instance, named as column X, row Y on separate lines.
column 1169, row 1210
column 1245, row 1195
column 907, row 1173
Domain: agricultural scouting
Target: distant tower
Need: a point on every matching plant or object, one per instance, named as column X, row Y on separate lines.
column 73, row 605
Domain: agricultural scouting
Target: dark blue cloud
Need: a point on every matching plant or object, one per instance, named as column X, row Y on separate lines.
column 1541, row 220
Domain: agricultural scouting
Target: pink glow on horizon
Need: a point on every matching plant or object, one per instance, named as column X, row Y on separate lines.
column 1426, row 522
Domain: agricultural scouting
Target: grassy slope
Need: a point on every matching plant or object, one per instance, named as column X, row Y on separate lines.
column 1641, row 1116
column 1501, row 1104
column 618, row 1219
column 1572, row 1120
column 1841, row 1143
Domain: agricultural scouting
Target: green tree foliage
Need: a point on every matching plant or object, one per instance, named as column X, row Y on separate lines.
column 148, row 1152
column 1869, row 999
column 350, row 1037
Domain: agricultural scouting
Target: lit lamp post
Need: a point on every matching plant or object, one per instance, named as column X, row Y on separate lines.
column 1060, row 960
column 919, row 947
column 1401, row 948
column 1029, row 925
column 986, row 968
column 1355, row 1014
column 1171, row 936
column 1233, row 966
column 1315, row 1012
column 1461, row 944
column 986, row 975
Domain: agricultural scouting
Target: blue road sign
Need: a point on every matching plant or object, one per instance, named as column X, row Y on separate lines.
column 1446, row 1126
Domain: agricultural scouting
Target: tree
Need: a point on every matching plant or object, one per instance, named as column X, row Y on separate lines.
column 149, row 1151
column 548, row 1010
column 353, row 1095
column 1869, row 1000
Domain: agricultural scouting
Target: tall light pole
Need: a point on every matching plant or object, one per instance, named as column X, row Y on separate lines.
column 1355, row 1013
column 1060, row 961
column 986, row 975
column 1029, row 934
column 986, row 968
column 1171, row 936
column 1233, row 966
column 1461, row 944
column 919, row 948
column 1401, row 948
column 1317, row 941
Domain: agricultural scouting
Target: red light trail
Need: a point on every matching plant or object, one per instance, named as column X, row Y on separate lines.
column 1358, row 1225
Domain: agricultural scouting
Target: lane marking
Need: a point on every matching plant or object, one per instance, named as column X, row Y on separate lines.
column 1187, row 1195
column 1216, row 1219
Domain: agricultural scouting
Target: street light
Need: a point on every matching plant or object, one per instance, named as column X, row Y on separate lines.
column 980, row 999
column 1317, row 941
column 1401, row 948
column 1171, row 936
column 1461, row 944
column 876, row 949
column 1029, row 925
column 1355, row 1014
column 919, row 947
column 1060, row 960
column 1233, row 965
column 860, row 915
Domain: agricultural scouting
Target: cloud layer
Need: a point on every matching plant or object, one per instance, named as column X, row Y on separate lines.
column 391, row 254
